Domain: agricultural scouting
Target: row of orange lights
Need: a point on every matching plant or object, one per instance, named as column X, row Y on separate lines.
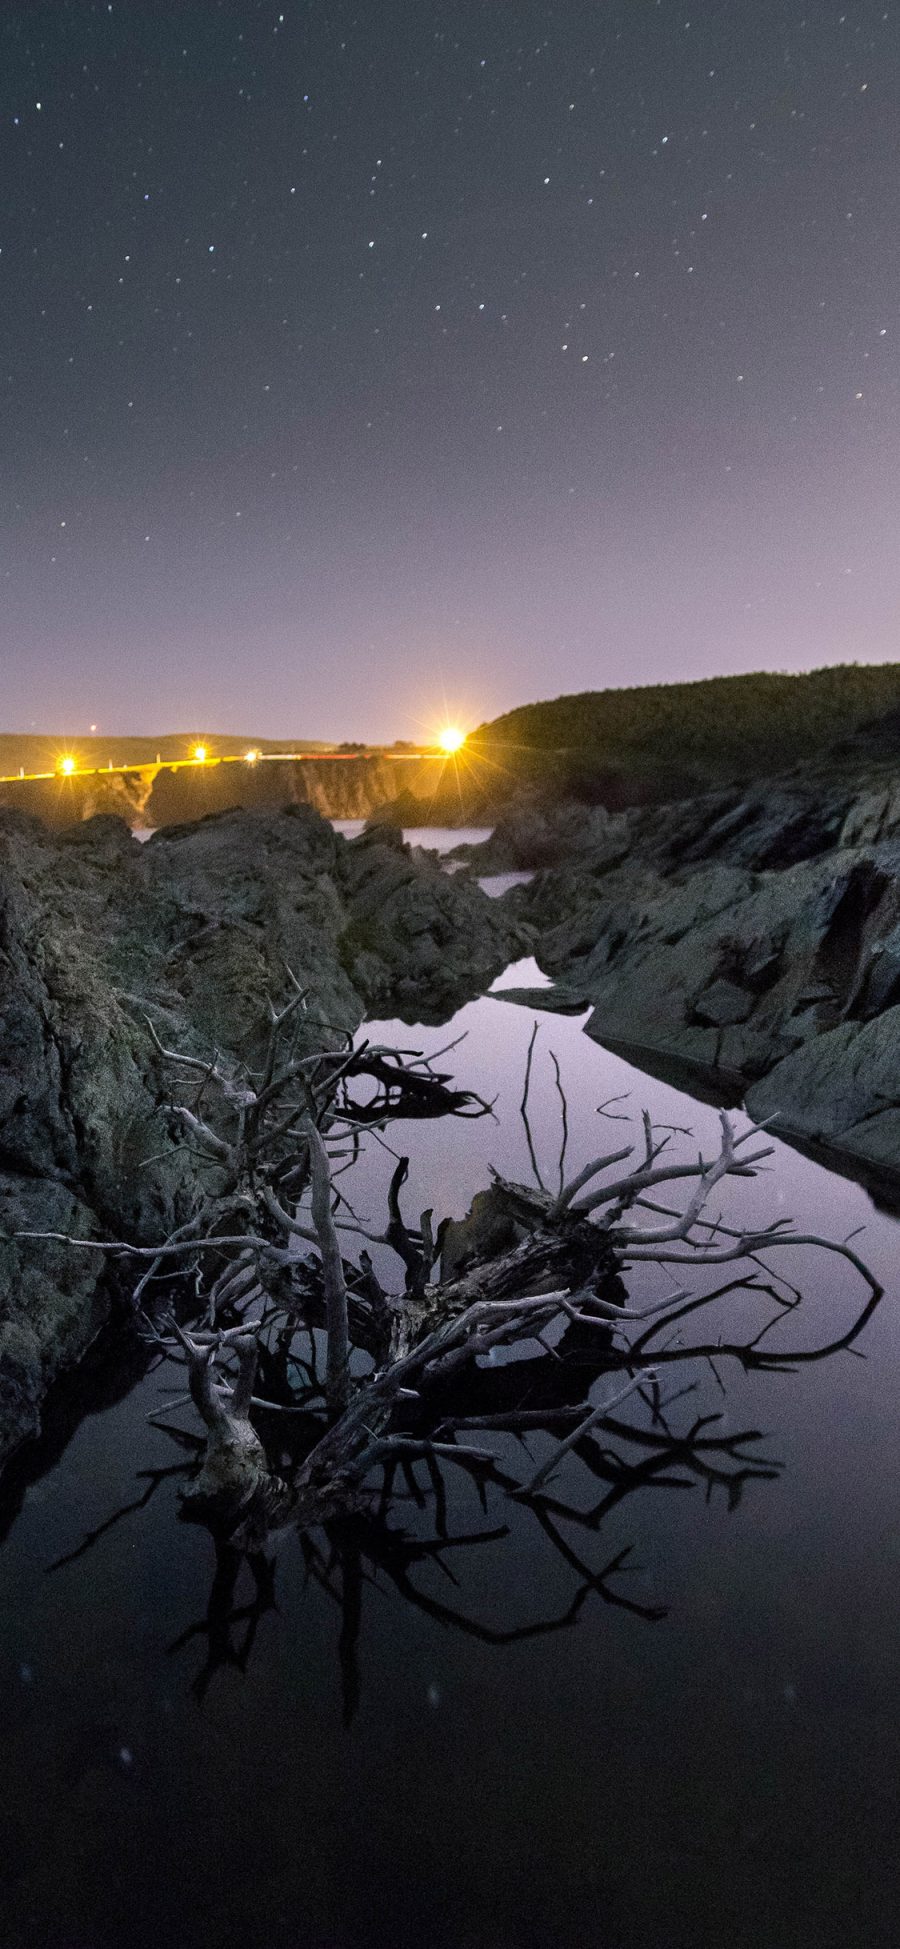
column 450, row 741
column 198, row 756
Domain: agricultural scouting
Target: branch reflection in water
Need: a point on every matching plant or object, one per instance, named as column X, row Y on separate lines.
column 517, row 1326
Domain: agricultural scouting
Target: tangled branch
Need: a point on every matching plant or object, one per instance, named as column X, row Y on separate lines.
column 275, row 1262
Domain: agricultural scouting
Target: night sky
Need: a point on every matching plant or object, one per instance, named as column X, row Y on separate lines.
column 362, row 361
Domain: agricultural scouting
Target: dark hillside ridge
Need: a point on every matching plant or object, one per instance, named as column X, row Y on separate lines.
column 663, row 743
column 718, row 728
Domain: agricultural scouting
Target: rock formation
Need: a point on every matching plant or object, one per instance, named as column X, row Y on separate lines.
column 192, row 933
column 155, row 795
column 750, row 942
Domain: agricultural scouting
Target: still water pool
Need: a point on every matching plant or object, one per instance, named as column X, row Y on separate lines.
column 314, row 1762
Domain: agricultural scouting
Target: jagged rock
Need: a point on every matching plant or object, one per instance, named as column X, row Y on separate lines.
column 734, row 941
column 557, row 1000
column 722, row 1004
column 417, row 938
column 841, row 1088
column 53, row 1300
column 530, row 835
column 769, row 827
column 195, row 931
column 873, row 816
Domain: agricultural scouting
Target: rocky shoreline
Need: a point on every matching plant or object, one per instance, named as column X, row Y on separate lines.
column 106, row 944
column 743, row 942
column 749, row 940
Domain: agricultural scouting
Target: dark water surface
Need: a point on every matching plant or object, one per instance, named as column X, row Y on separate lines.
column 183, row 1764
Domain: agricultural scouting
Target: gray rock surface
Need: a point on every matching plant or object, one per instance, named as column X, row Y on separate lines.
column 534, row 835
column 750, row 944
column 841, row 1088
column 418, row 940
column 773, row 824
column 194, row 932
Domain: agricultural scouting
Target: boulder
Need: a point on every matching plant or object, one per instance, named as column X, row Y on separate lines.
column 535, row 835
column 418, row 940
column 723, row 1004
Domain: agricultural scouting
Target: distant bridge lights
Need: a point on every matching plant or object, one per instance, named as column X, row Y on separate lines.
column 443, row 745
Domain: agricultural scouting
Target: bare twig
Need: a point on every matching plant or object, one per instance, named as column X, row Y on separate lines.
column 337, row 1370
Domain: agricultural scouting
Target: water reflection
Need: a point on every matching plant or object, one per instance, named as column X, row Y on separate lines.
column 514, row 1703
column 435, row 839
column 418, row 1520
column 521, row 1403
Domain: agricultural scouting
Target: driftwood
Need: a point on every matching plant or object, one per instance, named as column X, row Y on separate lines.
column 274, row 1270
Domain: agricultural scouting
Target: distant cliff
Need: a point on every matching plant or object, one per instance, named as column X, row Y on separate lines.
column 157, row 795
column 646, row 745
column 339, row 787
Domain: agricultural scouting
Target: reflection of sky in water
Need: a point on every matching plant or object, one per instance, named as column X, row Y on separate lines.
column 437, row 839
column 494, row 884
column 727, row 1777
column 492, row 1059
column 453, row 1161
column 443, row 839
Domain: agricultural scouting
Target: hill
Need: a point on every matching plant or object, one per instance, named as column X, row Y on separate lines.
column 697, row 733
